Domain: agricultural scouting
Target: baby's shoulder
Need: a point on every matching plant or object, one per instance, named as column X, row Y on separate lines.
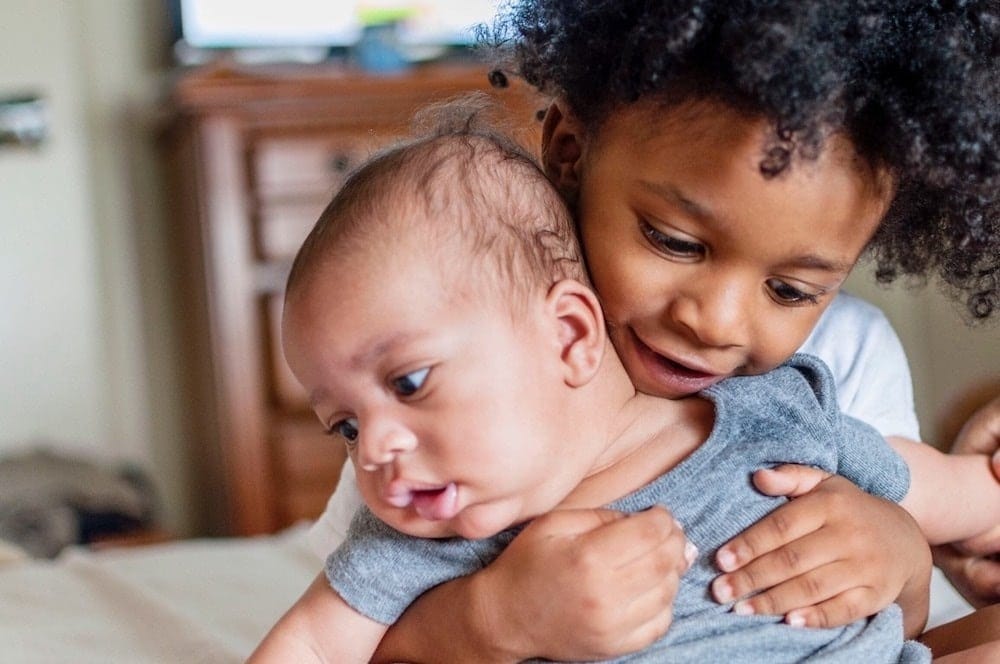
column 802, row 388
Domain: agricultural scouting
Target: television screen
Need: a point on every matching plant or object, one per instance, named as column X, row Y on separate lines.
column 206, row 24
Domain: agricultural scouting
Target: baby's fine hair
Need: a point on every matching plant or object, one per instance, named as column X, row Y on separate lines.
column 914, row 84
column 477, row 202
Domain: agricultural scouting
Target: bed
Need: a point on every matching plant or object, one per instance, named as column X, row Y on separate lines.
column 207, row 600
column 191, row 601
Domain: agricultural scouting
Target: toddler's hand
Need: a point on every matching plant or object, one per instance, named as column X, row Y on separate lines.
column 832, row 555
column 589, row 584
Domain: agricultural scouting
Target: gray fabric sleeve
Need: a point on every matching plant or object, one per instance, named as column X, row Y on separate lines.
column 864, row 456
column 379, row 571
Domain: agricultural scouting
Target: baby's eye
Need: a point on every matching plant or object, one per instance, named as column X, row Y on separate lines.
column 672, row 245
column 408, row 384
column 347, row 429
column 785, row 293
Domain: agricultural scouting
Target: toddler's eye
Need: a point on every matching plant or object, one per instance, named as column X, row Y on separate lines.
column 408, row 384
column 785, row 293
column 347, row 429
column 669, row 244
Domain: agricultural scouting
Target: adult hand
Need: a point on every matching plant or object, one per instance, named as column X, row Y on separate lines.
column 832, row 555
column 587, row 584
column 973, row 565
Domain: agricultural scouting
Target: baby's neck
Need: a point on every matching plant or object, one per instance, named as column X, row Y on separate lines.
column 645, row 436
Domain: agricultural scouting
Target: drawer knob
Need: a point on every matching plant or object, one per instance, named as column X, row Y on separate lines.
column 340, row 162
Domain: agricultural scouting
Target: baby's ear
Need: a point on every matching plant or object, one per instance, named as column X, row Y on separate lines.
column 561, row 148
column 581, row 333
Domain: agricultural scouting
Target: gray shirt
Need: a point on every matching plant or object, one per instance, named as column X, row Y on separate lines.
column 789, row 415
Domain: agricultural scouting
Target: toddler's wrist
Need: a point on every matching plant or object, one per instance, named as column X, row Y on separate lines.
column 491, row 623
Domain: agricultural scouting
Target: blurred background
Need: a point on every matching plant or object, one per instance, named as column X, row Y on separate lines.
column 91, row 354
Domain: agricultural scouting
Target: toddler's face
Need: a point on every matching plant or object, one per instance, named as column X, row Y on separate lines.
column 446, row 406
column 705, row 268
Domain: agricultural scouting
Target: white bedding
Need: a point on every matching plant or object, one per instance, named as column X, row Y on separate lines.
column 192, row 601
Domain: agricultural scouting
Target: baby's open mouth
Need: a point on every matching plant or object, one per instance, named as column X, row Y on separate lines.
column 433, row 504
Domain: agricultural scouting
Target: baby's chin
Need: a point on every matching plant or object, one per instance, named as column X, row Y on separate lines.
column 471, row 523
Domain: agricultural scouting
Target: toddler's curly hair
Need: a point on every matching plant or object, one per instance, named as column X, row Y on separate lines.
column 914, row 84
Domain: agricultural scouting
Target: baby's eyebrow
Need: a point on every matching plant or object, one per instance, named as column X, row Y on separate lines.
column 316, row 397
column 379, row 347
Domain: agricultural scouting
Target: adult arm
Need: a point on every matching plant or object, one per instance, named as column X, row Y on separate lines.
column 973, row 566
column 576, row 584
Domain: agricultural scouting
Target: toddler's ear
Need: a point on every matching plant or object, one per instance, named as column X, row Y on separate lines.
column 561, row 141
column 581, row 333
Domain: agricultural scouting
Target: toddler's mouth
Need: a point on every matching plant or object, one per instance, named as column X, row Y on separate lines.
column 674, row 377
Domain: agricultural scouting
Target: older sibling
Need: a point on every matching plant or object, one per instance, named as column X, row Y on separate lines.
column 438, row 317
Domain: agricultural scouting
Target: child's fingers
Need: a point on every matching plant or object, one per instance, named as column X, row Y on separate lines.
column 811, row 588
column 649, row 613
column 788, row 564
column 784, row 525
column 848, row 606
column 981, row 433
column 623, row 541
column 788, row 480
column 625, row 572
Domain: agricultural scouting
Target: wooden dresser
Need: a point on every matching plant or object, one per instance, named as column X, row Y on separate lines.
column 253, row 156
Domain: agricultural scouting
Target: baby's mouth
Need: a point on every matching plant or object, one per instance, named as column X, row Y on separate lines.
column 434, row 503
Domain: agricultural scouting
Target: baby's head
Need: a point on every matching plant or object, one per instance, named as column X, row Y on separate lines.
column 729, row 162
column 437, row 317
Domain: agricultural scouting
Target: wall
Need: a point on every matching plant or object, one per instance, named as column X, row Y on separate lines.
column 54, row 372
column 85, row 333
column 950, row 359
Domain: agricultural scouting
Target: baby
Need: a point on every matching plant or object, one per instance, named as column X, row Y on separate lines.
column 439, row 318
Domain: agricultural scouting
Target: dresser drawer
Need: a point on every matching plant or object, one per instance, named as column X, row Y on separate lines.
column 310, row 166
column 293, row 178
column 308, row 465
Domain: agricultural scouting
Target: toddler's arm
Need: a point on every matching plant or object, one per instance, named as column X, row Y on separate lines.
column 574, row 585
column 320, row 627
column 952, row 496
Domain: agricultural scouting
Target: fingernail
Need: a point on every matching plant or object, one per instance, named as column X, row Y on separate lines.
column 690, row 553
column 723, row 591
column 796, row 619
column 726, row 560
column 743, row 609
